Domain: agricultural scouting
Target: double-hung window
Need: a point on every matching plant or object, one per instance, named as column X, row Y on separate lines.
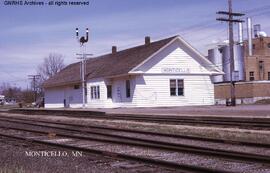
column 95, row 93
column 176, row 87
column 251, row 76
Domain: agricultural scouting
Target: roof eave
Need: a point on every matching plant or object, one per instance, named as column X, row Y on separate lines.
column 217, row 73
column 61, row 84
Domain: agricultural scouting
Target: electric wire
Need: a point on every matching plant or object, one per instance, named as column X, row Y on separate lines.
column 188, row 30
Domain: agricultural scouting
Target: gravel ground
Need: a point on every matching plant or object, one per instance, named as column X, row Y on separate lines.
column 240, row 110
column 13, row 158
column 255, row 111
column 183, row 158
column 237, row 111
column 233, row 134
column 259, row 136
column 207, row 144
column 213, row 145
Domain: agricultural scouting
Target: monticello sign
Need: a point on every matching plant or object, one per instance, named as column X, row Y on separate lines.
column 175, row 70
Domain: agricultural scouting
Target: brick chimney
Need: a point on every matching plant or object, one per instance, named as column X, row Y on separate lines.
column 114, row 49
column 147, row 40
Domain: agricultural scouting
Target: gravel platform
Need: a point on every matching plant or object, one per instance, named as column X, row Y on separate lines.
column 13, row 158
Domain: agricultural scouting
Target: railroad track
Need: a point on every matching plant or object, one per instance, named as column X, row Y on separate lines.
column 226, row 122
column 129, row 141
column 89, row 162
column 106, row 130
column 244, row 123
column 179, row 167
column 158, row 162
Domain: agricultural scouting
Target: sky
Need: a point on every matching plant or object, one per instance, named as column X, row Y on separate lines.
column 30, row 33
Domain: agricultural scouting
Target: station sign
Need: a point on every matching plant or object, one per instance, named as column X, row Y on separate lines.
column 175, row 70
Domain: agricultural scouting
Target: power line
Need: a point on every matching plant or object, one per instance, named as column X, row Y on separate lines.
column 230, row 21
column 257, row 9
column 198, row 26
column 34, row 79
column 8, row 73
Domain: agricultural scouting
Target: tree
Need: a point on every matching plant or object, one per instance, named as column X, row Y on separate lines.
column 20, row 95
column 50, row 66
column 11, row 92
column 27, row 96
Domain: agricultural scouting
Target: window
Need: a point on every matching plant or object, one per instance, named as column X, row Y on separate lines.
column 109, row 91
column 76, row 87
column 253, row 46
column 268, row 75
column 268, row 45
column 251, row 76
column 92, row 92
column 173, row 87
column 261, row 64
column 176, row 87
column 95, row 94
column 98, row 93
column 180, row 88
column 127, row 88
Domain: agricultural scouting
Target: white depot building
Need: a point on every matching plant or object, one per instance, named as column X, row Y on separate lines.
column 167, row 72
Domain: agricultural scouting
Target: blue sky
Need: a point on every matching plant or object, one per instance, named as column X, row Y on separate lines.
column 30, row 33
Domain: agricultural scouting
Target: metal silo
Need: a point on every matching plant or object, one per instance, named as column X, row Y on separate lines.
column 215, row 56
column 238, row 73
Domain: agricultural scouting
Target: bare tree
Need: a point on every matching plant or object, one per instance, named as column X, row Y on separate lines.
column 24, row 96
column 11, row 92
column 50, row 66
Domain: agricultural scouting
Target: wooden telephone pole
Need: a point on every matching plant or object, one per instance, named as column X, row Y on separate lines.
column 34, row 79
column 231, row 21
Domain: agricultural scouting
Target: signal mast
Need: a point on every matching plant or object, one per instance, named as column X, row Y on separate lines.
column 83, row 55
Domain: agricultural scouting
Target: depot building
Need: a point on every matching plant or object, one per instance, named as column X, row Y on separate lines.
column 168, row 72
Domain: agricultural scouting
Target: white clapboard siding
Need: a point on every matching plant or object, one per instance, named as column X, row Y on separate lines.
column 102, row 102
column 54, row 97
column 150, row 86
column 173, row 56
column 153, row 88
column 198, row 90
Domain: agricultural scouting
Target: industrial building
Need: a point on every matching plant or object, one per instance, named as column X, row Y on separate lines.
column 168, row 72
column 257, row 65
column 251, row 73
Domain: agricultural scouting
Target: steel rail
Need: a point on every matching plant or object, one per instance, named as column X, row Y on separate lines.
column 262, row 125
column 156, row 144
column 141, row 132
column 157, row 162
column 221, row 120
column 106, row 115
column 209, row 118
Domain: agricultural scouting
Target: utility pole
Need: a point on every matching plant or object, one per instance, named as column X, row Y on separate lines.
column 82, row 42
column 83, row 58
column 34, row 80
column 231, row 21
